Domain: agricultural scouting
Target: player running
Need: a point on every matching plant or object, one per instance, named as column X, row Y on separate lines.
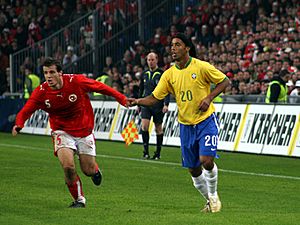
column 65, row 98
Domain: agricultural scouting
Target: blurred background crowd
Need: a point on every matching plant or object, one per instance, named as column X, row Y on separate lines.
column 251, row 41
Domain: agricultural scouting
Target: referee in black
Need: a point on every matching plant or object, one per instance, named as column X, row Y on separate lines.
column 148, row 82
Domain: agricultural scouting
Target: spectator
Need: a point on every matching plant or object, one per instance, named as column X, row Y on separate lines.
column 110, row 27
column 139, row 53
column 108, row 62
column 70, row 57
column 205, row 38
column 189, row 17
column 34, row 34
column 5, row 41
column 32, row 81
column 104, row 78
column 87, row 32
column 217, row 36
column 123, row 63
column 53, row 10
column 4, row 62
column 155, row 44
column 295, row 92
column 79, row 12
column 21, row 36
column 14, row 47
column 277, row 91
column 47, row 28
column 3, row 82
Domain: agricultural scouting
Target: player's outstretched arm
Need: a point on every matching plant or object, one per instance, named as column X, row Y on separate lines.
column 128, row 103
column 131, row 102
column 15, row 130
column 146, row 101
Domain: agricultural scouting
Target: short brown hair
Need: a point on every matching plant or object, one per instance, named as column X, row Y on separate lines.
column 284, row 72
column 51, row 61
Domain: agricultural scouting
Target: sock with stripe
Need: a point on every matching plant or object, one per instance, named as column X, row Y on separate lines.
column 201, row 185
column 75, row 188
column 211, row 177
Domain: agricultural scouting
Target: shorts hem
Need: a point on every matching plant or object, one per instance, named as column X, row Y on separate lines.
column 208, row 154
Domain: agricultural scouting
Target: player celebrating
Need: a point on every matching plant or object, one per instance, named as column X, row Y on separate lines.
column 189, row 81
column 64, row 97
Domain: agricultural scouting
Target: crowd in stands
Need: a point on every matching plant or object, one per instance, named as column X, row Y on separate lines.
column 25, row 22
column 250, row 41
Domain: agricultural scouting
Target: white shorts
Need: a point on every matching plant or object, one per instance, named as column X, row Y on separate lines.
column 80, row 145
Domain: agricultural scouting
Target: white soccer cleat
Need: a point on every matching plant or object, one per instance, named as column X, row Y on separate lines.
column 206, row 208
column 215, row 203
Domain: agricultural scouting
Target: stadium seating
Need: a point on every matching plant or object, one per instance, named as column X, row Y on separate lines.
column 249, row 41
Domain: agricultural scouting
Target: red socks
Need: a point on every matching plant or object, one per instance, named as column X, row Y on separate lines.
column 75, row 188
column 96, row 168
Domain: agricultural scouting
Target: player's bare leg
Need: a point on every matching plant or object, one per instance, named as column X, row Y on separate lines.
column 90, row 168
column 211, row 175
column 66, row 158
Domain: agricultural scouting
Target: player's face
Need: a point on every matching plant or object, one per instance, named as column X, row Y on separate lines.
column 178, row 49
column 53, row 77
column 152, row 60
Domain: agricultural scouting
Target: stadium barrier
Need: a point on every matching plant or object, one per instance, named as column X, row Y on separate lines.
column 253, row 128
column 8, row 111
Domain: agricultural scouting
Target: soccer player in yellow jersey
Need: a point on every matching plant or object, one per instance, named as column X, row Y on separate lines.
column 189, row 81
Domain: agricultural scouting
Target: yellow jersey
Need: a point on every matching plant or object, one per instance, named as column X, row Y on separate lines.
column 189, row 86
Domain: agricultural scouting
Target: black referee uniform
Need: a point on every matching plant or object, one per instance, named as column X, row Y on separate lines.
column 148, row 82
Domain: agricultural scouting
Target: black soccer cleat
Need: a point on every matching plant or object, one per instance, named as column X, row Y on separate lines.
column 146, row 156
column 156, row 157
column 97, row 178
column 77, row 204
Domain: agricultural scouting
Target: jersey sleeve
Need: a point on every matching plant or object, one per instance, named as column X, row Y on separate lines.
column 90, row 85
column 163, row 87
column 213, row 74
column 32, row 104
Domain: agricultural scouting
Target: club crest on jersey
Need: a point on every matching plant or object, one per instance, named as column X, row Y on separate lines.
column 72, row 98
column 194, row 76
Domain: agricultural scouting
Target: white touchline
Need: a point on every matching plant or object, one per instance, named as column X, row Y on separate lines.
column 178, row 164
column 165, row 163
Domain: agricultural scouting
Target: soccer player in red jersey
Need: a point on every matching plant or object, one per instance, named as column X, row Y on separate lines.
column 64, row 97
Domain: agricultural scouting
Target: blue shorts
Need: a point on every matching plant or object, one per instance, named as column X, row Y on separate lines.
column 198, row 140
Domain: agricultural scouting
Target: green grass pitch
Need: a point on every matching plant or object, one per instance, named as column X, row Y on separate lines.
column 254, row 189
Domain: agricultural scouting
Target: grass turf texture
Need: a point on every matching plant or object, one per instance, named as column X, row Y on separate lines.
column 142, row 192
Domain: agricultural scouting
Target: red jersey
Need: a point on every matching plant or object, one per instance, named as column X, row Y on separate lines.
column 69, row 108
